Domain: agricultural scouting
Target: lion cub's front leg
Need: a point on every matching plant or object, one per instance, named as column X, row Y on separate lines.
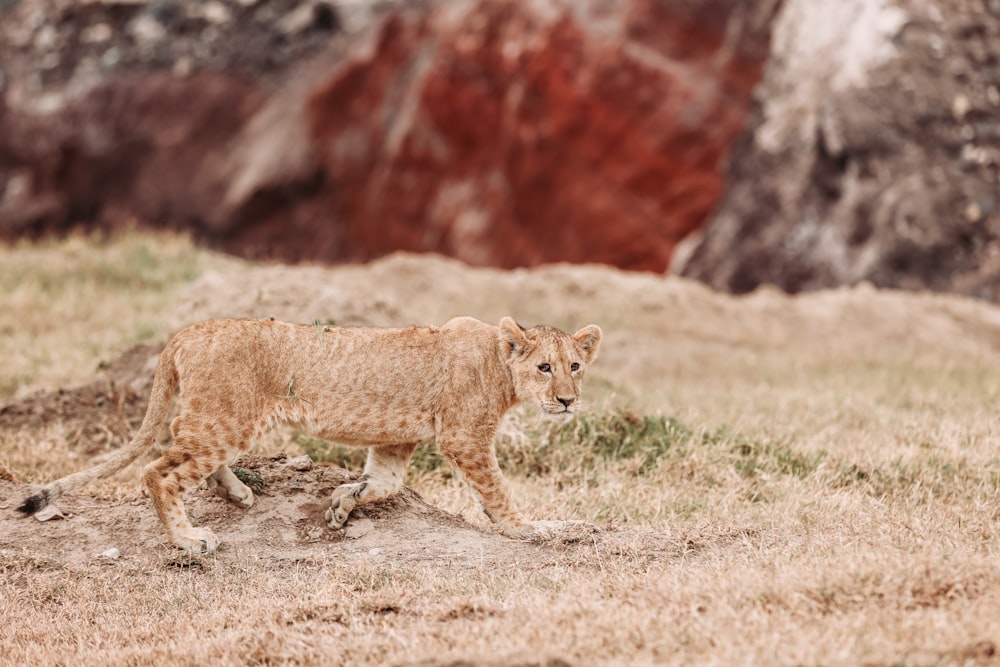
column 472, row 453
column 382, row 477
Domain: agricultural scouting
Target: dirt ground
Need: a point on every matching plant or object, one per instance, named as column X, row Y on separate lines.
column 286, row 523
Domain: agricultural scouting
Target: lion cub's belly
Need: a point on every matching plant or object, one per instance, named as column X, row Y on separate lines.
column 372, row 425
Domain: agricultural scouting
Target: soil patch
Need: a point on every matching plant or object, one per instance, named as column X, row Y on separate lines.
column 97, row 416
column 286, row 522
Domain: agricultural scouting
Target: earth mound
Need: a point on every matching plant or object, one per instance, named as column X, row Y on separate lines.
column 101, row 413
column 286, row 524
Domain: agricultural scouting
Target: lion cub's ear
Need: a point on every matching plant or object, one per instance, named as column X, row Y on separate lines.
column 588, row 339
column 513, row 342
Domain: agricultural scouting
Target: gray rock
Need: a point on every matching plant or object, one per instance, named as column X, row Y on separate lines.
column 49, row 513
column 300, row 463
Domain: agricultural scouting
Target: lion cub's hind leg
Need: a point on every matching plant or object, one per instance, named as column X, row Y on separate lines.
column 382, row 477
column 167, row 478
column 201, row 447
column 231, row 488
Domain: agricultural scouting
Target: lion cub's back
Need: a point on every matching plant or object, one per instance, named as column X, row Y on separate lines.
column 280, row 358
column 361, row 385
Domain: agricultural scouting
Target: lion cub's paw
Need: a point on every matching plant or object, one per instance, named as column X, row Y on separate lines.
column 197, row 541
column 241, row 497
column 521, row 531
column 342, row 502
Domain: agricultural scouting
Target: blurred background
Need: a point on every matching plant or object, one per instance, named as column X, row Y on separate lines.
column 802, row 143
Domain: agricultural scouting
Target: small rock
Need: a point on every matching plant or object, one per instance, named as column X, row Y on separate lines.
column 49, row 60
column 300, row 463
column 209, row 34
column 111, row 57
column 46, row 38
column 938, row 47
column 182, row 67
column 49, row 513
column 96, row 34
column 216, row 12
column 973, row 154
column 960, row 106
column 110, row 554
column 973, row 212
column 298, row 20
column 146, row 29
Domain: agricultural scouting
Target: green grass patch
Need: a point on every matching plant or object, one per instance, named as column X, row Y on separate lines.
column 640, row 442
column 624, row 435
column 427, row 458
column 587, row 441
column 122, row 263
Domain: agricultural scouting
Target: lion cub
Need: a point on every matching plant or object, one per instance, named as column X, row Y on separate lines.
column 385, row 389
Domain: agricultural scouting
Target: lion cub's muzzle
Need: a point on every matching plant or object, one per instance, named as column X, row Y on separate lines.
column 562, row 405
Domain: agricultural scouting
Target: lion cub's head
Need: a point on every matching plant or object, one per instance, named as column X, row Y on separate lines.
column 547, row 364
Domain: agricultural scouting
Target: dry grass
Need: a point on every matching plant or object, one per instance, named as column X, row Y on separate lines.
column 68, row 305
column 822, row 493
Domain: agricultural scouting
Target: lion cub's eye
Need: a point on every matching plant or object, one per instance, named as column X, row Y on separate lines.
column 574, row 367
column 545, row 368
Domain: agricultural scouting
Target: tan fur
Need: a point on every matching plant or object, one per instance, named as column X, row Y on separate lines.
column 385, row 389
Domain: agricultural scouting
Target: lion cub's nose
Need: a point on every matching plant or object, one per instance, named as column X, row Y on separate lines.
column 566, row 401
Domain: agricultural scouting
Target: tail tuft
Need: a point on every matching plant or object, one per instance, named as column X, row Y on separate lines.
column 34, row 503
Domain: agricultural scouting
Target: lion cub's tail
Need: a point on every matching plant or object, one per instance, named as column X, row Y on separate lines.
column 160, row 398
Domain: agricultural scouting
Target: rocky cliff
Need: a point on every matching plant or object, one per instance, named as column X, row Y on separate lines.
column 872, row 154
column 802, row 143
column 501, row 132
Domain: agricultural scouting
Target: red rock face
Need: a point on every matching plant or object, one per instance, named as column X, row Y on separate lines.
column 502, row 132
column 505, row 136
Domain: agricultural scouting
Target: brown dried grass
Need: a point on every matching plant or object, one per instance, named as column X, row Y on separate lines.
column 833, row 499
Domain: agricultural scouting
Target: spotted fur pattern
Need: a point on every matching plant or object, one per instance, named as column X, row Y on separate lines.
column 385, row 389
